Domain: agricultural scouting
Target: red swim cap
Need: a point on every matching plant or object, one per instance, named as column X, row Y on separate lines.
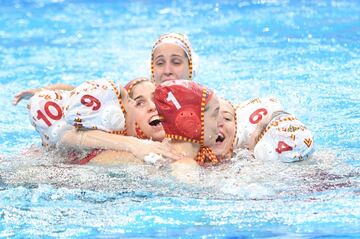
column 181, row 105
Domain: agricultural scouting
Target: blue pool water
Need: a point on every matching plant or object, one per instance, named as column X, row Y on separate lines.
column 306, row 53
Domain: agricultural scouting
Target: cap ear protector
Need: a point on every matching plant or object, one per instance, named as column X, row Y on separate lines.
column 188, row 123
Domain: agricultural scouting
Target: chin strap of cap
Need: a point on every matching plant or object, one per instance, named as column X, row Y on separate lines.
column 206, row 156
column 139, row 133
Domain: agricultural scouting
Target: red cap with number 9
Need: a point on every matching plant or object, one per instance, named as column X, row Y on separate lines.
column 181, row 105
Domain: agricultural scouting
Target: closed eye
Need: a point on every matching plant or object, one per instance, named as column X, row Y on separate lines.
column 176, row 62
column 160, row 62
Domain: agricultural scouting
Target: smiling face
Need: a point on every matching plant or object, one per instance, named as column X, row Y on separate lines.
column 170, row 63
column 225, row 139
column 212, row 121
column 146, row 115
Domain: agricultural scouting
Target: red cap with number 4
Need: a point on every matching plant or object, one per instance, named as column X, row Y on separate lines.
column 181, row 106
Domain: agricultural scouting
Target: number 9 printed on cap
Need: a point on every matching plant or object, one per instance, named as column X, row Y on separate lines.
column 96, row 104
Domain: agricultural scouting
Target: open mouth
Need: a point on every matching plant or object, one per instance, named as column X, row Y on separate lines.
column 155, row 121
column 167, row 79
column 220, row 138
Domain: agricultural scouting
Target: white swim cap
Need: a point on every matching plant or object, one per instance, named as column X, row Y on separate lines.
column 285, row 139
column 113, row 118
column 97, row 104
column 46, row 115
column 182, row 41
column 250, row 116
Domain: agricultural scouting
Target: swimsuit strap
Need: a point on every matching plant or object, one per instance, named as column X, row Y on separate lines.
column 75, row 158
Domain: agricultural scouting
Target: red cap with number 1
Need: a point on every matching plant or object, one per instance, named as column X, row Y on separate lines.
column 181, row 105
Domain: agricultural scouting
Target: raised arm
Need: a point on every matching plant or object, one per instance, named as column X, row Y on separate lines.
column 27, row 94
